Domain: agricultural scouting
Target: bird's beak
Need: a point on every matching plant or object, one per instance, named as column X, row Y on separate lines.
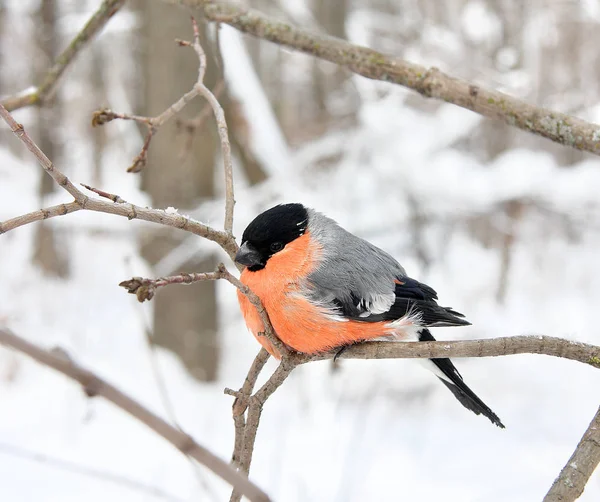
column 248, row 256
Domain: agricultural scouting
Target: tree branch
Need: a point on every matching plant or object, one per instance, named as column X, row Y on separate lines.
column 503, row 346
column 39, row 215
column 145, row 289
column 252, row 405
column 429, row 82
column 570, row 483
column 39, row 94
column 240, row 405
column 93, row 385
column 130, row 211
column 103, row 116
column 254, row 412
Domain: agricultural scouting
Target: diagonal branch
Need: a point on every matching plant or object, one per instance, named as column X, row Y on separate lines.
column 93, row 385
column 429, row 82
column 570, row 483
column 39, row 94
column 116, row 206
column 45, row 162
column 39, row 215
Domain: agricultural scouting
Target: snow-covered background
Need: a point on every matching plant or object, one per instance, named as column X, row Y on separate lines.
column 400, row 176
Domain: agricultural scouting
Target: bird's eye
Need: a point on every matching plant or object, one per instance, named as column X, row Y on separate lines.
column 276, row 246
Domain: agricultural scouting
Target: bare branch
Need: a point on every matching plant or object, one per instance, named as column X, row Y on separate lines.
column 190, row 126
column 130, row 211
column 39, row 215
column 39, row 94
column 246, row 427
column 429, row 82
column 503, row 346
column 93, row 385
column 240, row 405
column 115, row 198
column 570, row 483
column 44, row 161
column 222, row 128
column 255, row 406
column 104, row 116
column 145, row 289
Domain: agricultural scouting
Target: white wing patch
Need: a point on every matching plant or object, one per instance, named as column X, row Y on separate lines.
column 375, row 304
column 323, row 305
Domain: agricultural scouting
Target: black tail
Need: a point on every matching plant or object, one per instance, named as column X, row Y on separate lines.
column 458, row 387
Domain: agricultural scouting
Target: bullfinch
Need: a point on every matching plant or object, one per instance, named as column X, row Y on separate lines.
column 325, row 288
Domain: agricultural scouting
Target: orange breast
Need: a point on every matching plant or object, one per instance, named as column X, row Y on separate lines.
column 300, row 324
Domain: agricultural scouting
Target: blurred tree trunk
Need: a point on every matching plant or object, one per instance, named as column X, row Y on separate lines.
column 560, row 74
column 99, row 134
column 48, row 254
column 333, row 99
column 185, row 318
column 180, row 173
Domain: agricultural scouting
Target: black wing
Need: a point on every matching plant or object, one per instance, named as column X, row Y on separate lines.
column 411, row 296
column 455, row 383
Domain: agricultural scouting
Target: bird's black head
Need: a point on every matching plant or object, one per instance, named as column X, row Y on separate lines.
column 269, row 233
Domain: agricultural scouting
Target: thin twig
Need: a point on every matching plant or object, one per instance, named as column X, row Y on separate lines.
column 103, row 116
column 130, row 211
column 110, row 196
column 44, row 161
column 190, row 126
column 222, row 128
column 571, row 481
column 429, row 82
column 93, row 385
column 145, row 289
column 40, row 94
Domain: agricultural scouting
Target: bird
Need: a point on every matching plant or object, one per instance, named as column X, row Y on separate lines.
column 325, row 289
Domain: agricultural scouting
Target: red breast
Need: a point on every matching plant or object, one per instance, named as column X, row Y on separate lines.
column 300, row 324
